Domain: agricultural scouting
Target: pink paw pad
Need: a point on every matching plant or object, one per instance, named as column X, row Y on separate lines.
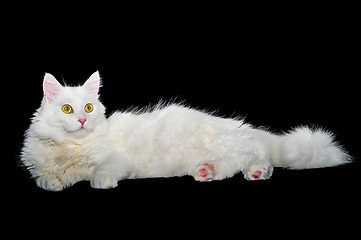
column 257, row 174
column 203, row 172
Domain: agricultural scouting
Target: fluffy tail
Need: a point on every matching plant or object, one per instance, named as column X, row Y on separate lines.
column 305, row 148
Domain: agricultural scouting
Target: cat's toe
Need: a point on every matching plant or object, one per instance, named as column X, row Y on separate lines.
column 258, row 172
column 104, row 181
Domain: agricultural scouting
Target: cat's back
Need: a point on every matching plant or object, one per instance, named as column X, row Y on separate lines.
column 165, row 118
column 162, row 128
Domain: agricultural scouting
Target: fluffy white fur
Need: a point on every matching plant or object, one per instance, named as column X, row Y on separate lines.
column 167, row 140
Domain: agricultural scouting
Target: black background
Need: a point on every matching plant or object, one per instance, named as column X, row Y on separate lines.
column 279, row 67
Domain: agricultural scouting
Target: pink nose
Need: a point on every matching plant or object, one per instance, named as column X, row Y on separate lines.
column 82, row 121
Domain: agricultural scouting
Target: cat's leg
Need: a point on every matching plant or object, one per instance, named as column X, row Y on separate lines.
column 55, row 182
column 107, row 174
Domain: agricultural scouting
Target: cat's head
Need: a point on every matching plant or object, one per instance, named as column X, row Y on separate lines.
column 70, row 111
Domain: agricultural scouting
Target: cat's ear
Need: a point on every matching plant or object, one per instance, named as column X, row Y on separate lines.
column 51, row 87
column 93, row 83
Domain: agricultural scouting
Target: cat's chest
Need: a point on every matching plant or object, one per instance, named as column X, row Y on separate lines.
column 70, row 156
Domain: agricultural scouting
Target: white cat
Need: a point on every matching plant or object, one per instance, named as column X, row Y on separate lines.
column 71, row 140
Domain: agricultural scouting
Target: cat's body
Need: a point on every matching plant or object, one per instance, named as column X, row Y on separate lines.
column 71, row 140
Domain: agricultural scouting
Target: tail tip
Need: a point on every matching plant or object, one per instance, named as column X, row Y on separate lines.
column 312, row 148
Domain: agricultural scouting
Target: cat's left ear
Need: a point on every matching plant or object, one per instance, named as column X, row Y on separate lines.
column 93, row 83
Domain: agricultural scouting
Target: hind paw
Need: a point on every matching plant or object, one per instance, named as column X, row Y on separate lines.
column 204, row 172
column 258, row 172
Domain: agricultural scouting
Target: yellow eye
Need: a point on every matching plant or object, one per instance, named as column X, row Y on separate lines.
column 88, row 108
column 67, row 109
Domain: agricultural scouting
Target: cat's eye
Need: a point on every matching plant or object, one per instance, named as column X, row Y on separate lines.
column 67, row 109
column 88, row 108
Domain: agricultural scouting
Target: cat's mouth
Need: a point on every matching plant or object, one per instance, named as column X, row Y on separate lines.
column 81, row 129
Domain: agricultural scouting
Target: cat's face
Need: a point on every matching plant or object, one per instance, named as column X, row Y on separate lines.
column 72, row 111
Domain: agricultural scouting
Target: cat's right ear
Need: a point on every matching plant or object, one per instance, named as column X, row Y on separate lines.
column 51, row 87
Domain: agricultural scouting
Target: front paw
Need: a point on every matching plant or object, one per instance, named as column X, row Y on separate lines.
column 103, row 180
column 50, row 182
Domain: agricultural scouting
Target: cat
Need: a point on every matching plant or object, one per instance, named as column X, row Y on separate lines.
column 70, row 140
